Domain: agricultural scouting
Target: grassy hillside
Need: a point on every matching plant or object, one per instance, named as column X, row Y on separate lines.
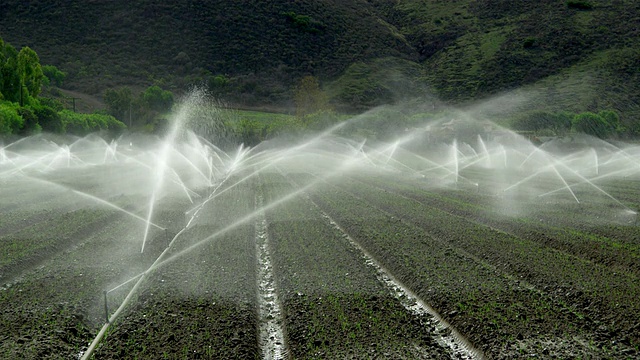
column 580, row 54
column 571, row 55
column 264, row 46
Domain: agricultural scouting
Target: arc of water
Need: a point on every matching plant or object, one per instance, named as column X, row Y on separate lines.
column 483, row 146
column 392, row 151
column 503, row 151
column 535, row 151
column 161, row 167
column 565, row 184
column 455, row 160
column 184, row 188
column 361, row 152
column 193, row 166
column 269, row 161
column 216, row 149
column 111, row 151
column 96, row 199
column 585, row 180
column 160, row 171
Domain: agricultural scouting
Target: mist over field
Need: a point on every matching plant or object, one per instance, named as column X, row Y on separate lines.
column 406, row 179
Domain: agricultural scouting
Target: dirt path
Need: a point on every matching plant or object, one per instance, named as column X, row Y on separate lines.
column 84, row 103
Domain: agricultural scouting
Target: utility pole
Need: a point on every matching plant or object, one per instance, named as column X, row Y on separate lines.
column 73, row 99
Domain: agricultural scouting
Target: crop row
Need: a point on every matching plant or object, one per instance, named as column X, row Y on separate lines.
column 333, row 304
column 81, row 246
column 39, row 241
column 54, row 307
column 494, row 309
column 565, row 227
column 601, row 295
column 595, row 293
column 200, row 301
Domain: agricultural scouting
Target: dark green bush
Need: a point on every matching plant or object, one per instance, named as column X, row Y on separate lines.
column 83, row 124
column 30, row 121
column 592, row 124
column 579, row 4
column 10, row 121
column 51, row 103
column 49, row 119
column 54, row 76
column 544, row 121
column 303, row 22
column 529, row 42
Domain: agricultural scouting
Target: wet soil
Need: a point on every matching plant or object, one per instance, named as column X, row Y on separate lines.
column 203, row 304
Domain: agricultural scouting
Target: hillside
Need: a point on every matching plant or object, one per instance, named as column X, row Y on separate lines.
column 578, row 53
column 264, row 46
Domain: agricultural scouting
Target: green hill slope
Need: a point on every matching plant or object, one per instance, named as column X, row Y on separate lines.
column 571, row 55
column 267, row 44
column 580, row 54
column 477, row 47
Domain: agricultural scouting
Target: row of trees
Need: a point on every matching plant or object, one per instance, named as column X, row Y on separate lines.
column 23, row 112
column 604, row 124
column 21, row 74
column 147, row 110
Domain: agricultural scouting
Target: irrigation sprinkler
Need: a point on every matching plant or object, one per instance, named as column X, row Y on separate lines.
column 106, row 307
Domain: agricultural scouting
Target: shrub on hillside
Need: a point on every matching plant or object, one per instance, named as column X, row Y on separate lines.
column 544, row 121
column 304, row 22
column 592, row 124
column 53, row 75
column 10, row 120
column 83, row 124
column 579, row 4
column 49, row 119
column 30, row 121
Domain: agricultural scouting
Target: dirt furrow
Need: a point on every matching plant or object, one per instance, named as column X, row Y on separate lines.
column 496, row 307
column 334, row 304
column 272, row 342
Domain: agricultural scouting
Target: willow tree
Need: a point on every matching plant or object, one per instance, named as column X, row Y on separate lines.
column 30, row 73
column 9, row 77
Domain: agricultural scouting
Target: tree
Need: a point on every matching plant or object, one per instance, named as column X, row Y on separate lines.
column 49, row 118
column 54, row 75
column 30, row 124
column 118, row 102
column 9, row 77
column 613, row 119
column 10, row 121
column 156, row 99
column 3, row 59
column 309, row 98
column 30, row 73
column 592, row 124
